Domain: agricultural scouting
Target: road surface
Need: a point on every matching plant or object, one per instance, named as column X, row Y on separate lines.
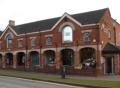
column 11, row 82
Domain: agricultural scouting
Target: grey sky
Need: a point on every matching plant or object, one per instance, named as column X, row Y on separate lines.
column 24, row 11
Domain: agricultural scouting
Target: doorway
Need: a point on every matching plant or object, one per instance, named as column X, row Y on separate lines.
column 109, row 64
column 67, row 57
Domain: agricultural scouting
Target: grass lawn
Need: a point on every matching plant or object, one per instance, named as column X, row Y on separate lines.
column 56, row 78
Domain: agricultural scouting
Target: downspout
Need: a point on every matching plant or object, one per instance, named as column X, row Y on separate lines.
column 114, row 35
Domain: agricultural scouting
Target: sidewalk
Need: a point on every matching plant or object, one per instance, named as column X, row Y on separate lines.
column 89, row 82
column 109, row 78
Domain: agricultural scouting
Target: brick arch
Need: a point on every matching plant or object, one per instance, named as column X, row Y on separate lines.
column 20, row 58
column 9, row 34
column 52, row 49
column 66, row 23
column 88, row 46
column 72, row 48
column 67, row 56
column 34, row 58
column 88, row 56
column 49, row 57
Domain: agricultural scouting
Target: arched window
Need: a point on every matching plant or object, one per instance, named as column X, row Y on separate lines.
column 9, row 40
column 67, row 34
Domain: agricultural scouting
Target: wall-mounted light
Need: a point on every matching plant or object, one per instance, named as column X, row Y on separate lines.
column 94, row 40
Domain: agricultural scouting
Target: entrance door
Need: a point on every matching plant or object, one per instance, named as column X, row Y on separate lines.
column 109, row 65
column 67, row 57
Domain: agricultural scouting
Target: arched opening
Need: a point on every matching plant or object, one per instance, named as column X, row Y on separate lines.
column 67, row 57
column 9, row 59
column 0, row 60
column 34, row 58
column 88, row 57
column 20, row 58
column 49, row 57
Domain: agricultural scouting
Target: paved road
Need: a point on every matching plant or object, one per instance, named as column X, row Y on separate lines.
column 10, row 82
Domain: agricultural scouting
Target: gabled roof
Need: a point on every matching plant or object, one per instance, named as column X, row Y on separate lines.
column 110, row 48
column 91, row 17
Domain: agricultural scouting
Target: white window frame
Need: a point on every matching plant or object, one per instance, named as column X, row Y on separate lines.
column 31, row 41
column 46, row 40
column 70, row 40
column 21, row 39
column 7, row 38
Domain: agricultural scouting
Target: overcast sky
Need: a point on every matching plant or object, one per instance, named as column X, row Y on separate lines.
column 24, row 11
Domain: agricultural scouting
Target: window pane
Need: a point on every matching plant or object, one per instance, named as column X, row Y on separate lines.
column 67, row 34
column 9, row 40
column 33, row 42
column 49, row 40
column 20, row 43
column 86, row 36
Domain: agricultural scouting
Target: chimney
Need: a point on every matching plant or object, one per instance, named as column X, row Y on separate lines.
column 11, row 23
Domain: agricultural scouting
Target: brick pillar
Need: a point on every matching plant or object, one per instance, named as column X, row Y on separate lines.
column 42, row 60
column 14, row 61
column 3, row 61
column 98, row 63
column 39, row 59
column 76, row 58
column 57, row 59
column 116, row 63
column 119, row 64
column 27, row 61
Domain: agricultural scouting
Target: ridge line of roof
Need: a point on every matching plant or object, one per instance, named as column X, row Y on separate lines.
column 61, row 16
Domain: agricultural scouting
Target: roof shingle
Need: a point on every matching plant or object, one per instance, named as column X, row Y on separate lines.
column 91, row 17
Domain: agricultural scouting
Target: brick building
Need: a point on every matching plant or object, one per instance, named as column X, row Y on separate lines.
column 86, row 43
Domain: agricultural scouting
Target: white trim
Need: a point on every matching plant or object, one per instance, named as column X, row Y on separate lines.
column 68, row 24
column 86, row 31
column 68, row 16
column 8, row 34
column 51, row 30
column 32, row 37
column 19, row 39
column 90, row 25
column 49, row 35
column 6, row 30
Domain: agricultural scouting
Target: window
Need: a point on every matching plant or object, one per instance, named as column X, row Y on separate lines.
column 33, row 41
column 9, row 40
column 109, row 34
column 67, row 34
column 86, row 36
column 20, row 43
column 48, row 40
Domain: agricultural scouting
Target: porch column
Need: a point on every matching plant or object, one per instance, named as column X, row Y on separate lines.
column 76, row 59
column 57, row 59
column 14, row 61
column 3, row 61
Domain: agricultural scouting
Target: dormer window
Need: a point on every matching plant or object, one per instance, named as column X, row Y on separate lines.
column 67, row 34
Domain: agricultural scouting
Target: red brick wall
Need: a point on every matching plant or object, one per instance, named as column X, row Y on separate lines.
column 108, row 26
